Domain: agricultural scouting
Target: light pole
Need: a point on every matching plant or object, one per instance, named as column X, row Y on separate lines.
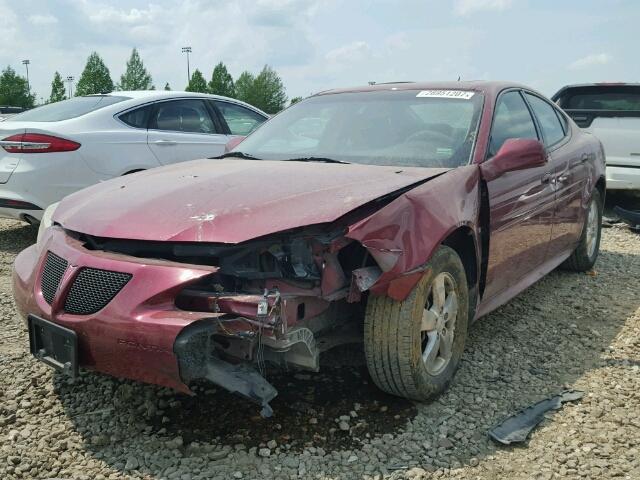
column 187, row 50
column 70, row 80
column 26, row 65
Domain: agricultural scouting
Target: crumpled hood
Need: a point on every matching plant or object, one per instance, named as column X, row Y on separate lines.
column 228, row 200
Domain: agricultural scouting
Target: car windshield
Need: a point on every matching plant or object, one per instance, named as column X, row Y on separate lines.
column 429, row 128
column 67, row 109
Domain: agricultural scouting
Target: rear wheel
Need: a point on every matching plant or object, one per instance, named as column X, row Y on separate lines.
column 584, row 256
column 413, row 347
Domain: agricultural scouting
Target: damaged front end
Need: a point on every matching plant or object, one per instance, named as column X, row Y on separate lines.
column 283, row 298
column 280, row 300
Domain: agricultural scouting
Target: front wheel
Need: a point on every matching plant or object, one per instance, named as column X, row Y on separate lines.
column 584, row 256
column 413, row 347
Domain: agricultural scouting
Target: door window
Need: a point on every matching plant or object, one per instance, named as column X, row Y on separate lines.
column 241, row 120
column 552, row 130
column 512, row 120
column 188, row 116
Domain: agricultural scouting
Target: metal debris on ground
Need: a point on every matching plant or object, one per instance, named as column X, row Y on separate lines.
column 516, row 428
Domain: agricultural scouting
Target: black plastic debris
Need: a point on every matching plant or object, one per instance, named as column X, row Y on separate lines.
column 631, row 218
column 516, row 428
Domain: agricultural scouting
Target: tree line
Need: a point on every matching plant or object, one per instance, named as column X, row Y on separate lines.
column 264, row 90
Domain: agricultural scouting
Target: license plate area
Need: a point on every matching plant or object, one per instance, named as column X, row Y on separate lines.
column 53, row 345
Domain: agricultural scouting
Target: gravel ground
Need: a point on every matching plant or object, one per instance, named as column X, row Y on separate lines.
column 567, row 331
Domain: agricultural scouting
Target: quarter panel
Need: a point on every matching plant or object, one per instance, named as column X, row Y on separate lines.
column 116, row 151
column 573, row 185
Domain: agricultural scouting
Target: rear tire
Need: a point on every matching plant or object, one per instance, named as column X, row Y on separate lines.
column 585, row 255
column 400, row 337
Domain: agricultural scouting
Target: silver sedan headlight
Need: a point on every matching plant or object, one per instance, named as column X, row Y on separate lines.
column 46, row 221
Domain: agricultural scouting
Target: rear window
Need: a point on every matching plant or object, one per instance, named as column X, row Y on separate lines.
column 12, row 110
column 620, row 98
column 67, row 109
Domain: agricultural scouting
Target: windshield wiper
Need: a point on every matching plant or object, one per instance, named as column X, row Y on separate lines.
column 315, row 159
column 238, row 155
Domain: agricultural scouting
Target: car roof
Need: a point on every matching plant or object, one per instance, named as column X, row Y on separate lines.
column 603, row 84
column 484, row 86
column 152, row 95
column 158, row 94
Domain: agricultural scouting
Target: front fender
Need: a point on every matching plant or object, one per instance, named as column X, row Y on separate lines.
column 403, row 235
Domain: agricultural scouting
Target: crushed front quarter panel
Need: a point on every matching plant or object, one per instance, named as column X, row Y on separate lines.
column 403, row 235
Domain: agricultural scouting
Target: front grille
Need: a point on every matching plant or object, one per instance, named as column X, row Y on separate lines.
column 54, row 268
column 92, row 289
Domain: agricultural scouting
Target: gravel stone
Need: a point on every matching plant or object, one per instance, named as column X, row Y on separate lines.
column 132, row 463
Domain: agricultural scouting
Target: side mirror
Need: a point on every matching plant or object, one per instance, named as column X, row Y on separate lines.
column 233, row 143
column 515, row 154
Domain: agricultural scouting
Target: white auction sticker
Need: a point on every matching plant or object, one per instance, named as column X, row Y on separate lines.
column 462, row 94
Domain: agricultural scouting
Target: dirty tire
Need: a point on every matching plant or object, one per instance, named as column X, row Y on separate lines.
column 580, row 260
column 392, row 334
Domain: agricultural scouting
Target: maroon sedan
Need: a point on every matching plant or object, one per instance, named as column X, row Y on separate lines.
column 394, row 215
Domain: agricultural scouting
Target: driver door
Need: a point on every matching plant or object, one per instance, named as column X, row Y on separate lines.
column 521, row 203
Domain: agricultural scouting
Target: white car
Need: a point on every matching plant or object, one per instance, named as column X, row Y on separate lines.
column 611, row 111
column 54, row 150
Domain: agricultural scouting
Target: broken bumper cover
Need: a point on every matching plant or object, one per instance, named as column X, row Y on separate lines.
column 140, row 334
column 193, row 349
column 516, row 428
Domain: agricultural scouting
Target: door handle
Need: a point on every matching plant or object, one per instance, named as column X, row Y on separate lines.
column 585, row 157
column 546, row 178
column 165, row 143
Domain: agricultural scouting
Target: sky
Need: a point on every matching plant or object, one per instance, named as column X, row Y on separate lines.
column 319, row 44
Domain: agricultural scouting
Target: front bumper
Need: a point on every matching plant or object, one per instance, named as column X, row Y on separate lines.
column 623, row 178
column 133, row 336
column 141, row 334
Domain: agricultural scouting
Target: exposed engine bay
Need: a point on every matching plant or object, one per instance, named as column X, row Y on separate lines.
column 280, row 300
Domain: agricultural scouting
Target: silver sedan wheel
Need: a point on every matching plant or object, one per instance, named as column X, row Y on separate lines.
column 439, row 323
column 591, row 234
